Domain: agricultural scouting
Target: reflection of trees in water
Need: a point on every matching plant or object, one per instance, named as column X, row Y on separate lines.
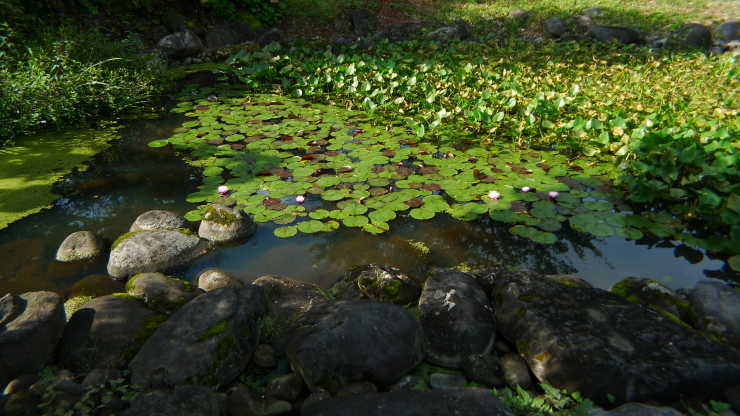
column 479, row 243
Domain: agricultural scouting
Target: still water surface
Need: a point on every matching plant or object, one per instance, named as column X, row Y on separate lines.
column 132, row 178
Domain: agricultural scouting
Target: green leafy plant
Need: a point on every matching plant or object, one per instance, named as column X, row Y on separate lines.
column 553, row 402
column 266, row 11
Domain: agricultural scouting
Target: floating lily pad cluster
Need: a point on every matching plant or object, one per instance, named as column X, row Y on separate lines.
column 269, row 149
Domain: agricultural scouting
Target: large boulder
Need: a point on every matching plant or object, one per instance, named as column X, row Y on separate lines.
column 271, row 36
column 555, row 26
column 365, row 24
column 716, row 310
column 159, row 220
column 106, row 332
column 377, row 282
column 31, row 325
column 598, row 343
column 729, row 30
column 162, row 293
column 456, row 317
column 289, row 301
column 154, row 251
column 612, row 34
column 222, row 224
column 82, row 245
column 651, row 293
column 692, row 36
column 467, row 401
column 208, row 342
column 338, row 343
column 180, row 44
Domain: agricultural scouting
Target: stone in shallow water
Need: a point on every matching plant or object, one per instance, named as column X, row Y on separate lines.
column 456, row 318
column 222, row 224
column 159, row 220
column 82, row 245
column 716, row 310
column 597, row 343
column 349, row 341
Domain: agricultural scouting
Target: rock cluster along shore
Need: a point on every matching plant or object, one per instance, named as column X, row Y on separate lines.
column 182, row 42
column 378, row 342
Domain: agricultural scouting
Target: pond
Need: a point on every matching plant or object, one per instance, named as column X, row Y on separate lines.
column 131, row 178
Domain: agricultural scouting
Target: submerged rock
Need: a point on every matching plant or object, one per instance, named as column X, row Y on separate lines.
column 466, row 401
column 597, row 343
column 342, row 342
column 31, row 325
column 377, row 282
column 106, row 332
column 82, row 245
column 154, row 251
column 208, row 342
column 456, row 318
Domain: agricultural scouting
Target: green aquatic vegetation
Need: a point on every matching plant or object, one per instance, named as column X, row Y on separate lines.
column 538, row 147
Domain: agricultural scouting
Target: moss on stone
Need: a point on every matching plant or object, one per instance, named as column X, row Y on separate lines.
column 126, row 296
column 392, row 288
column 520, row 311
column 148, row 327
column 522, row 345
column 186, row 231
column 130, row 287
column 414, row 310
column 673, row 317
column 498, row 297
column 226, row 346
column 541, row 357
column 73, row 304
column 622, row 287
column 216, row 329
column 528, row 298
column 566, row 281
column 120, row 239
column 219, row 216
column 275, row 328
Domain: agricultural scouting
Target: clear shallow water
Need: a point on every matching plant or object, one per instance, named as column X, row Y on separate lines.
column 132, row 178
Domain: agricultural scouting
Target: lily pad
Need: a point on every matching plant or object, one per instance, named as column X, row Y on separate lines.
column 599, row 230
column 311, row 226
column 422, row 213
column 376, row 227
column 382, row 215
column 285, row 232
column 355, row 220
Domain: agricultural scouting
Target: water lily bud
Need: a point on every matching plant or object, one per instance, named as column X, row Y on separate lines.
column 526, row 189
column 494, row 195
column 553, row 194
column 223, row 189
column 300, row 199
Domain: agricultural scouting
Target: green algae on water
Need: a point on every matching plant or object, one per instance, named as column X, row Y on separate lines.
column 29, row 168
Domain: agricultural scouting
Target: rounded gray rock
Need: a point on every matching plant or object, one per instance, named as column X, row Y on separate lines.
column 692, row 36
column 613, row 34
column 154, row 251
column 446, row 381
column 82, row 245
column 555, row 26
column 349, row 341
column 515, row 370
column 159, row 220
column 222, row 224
column 485, row 369
column 101, row 332
column 31, row 325
column 716, row 310
column 162, row 293
column 729, row 30
column 210, row 279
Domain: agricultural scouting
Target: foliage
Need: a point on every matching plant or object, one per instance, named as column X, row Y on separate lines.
column 65, row 75
column 553, row 402
column 614, row 102
column 266, row 11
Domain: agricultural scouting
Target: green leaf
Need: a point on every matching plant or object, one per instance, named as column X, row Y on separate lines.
column 688, row 154
column 599, row 230
column 734, row 262
column 311, row 226
column 422, row 213
column 158, row 143
column 285, row 232
column 376, row 227
column 733, row 202
column 382, row 215
column 355, row 220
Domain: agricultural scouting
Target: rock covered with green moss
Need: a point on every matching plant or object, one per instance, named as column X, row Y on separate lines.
column 162, row 293
column 162, row 251
column 82, row 245
column 106, row 332
column 208, row 342
column 651, row 293
column 377, row 282
column 598, row 343
column 30, row 327
column 457, row 318
column 222, row 224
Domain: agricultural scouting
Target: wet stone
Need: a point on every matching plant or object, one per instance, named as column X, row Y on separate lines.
column 82, row 245
column 264, row 357
column 485, row 369
column 210, row 279
column 446, row 381
column 716, row 310
column 515, row 370
column 287, row 387
column 159, row 220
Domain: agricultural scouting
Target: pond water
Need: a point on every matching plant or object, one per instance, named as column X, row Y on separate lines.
column 132, row 178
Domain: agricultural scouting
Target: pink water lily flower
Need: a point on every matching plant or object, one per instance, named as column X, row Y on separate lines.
column 526, row 189
column 299, row 199
column 553, row 194
column 223, row 189
column 494, row 195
